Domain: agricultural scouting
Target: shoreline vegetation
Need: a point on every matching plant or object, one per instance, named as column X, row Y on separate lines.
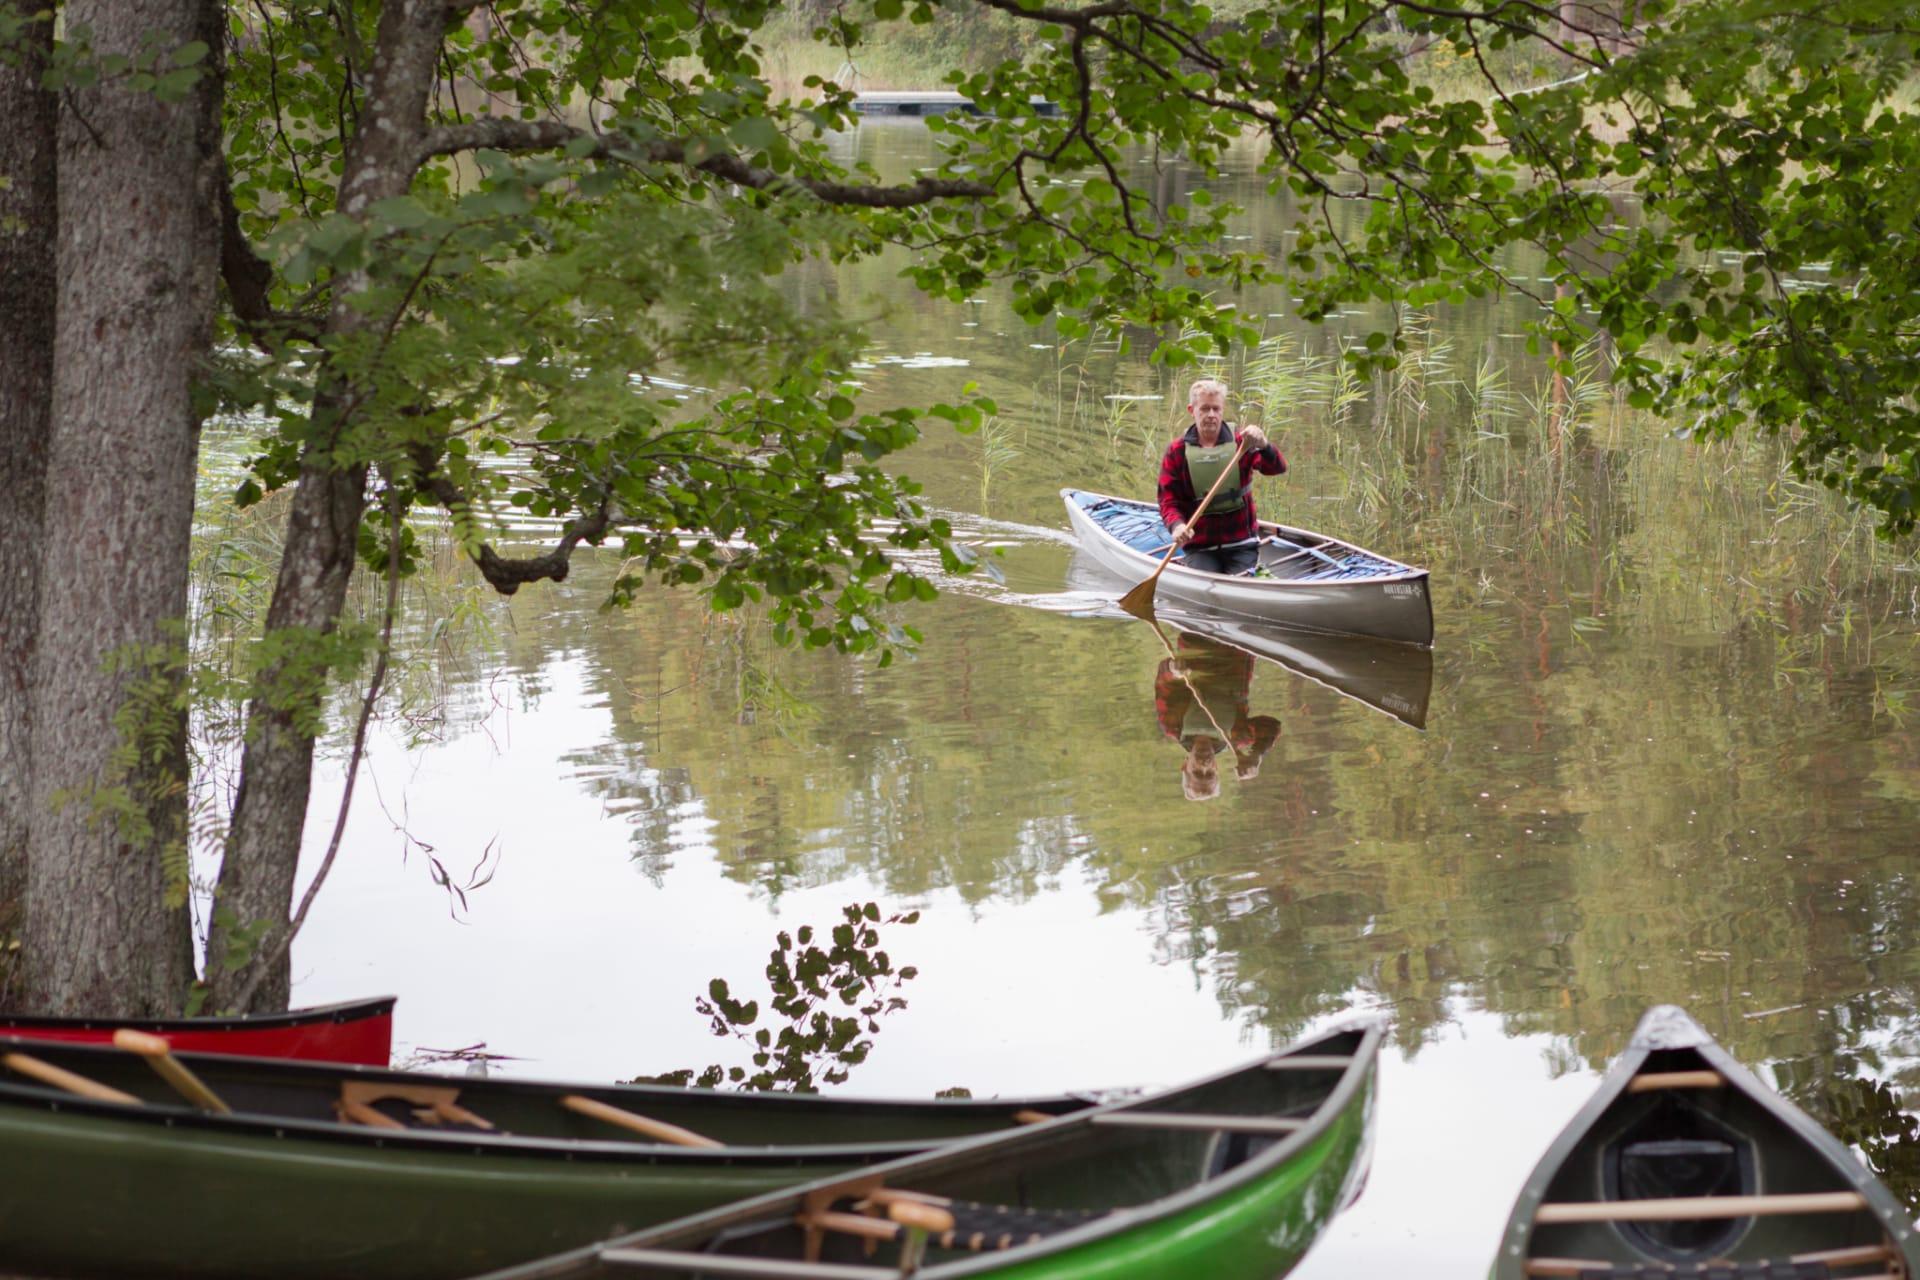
column 926, row 60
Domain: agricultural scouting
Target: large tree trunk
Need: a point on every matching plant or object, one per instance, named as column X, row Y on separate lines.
column 254, row 896
column 26, row 400
column 137, row 260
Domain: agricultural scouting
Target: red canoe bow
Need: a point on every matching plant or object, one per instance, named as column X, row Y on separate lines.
column 359, row 1031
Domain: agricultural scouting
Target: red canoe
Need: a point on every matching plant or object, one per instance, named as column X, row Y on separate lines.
column 360, row 1031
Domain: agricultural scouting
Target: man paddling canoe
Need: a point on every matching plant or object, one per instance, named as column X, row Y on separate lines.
column 1224, row 539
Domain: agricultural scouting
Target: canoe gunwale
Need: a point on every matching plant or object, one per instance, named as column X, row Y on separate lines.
column 313, row 1015
column 1666, row 1028
column 258, row 1127
column 1276, row 601
column 1355, row 1079
column 19, row 1095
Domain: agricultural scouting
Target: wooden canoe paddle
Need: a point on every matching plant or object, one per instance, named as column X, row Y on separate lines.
column 1139, row 601
column 159, row 1056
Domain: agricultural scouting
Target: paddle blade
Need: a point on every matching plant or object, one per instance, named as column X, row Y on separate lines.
column 1139, row 601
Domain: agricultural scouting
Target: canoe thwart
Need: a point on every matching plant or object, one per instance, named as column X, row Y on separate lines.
column 61, row 1078
column 1855, row 1256
column 1194, row 1120
column 159, row 1055
column 432, row 1104
column 1650, row 1081
column 1310, row 1062
column 634, row 1122
column 1686, row 1208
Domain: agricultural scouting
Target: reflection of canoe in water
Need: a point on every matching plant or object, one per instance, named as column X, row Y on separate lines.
column 336, row 1171
column 360, row 1031
column 1232, row 1178
column 1685, row 1165
column 1314, row 581
column 1394, row 678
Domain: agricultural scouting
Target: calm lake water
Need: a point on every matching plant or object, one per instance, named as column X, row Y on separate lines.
column 1667, row 756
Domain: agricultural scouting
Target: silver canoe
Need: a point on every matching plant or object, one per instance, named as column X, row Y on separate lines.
column 1684, row 1165
column 1316, row 582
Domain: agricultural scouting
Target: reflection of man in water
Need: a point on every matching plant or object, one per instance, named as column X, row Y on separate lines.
column 1200, row 696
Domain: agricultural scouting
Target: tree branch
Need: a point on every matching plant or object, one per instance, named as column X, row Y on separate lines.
column 507, row 574
column 249, row 278
column 547, row 135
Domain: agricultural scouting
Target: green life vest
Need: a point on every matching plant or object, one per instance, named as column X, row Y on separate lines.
column 1204, row 466
column 1198, row 724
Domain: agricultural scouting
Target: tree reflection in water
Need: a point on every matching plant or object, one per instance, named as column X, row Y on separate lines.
column 832, row 998
column 1871, row 1117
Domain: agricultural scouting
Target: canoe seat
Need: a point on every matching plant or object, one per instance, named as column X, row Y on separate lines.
column 1708, row 1271
column 434, row 1105
column 982, row 1228
column 879, row 1213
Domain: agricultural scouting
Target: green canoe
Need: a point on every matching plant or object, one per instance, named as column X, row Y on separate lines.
column 1683, row 1166
column 1233, row 1177
column 283, row 1187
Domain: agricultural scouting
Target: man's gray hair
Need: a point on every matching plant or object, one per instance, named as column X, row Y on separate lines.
column 1205, row 384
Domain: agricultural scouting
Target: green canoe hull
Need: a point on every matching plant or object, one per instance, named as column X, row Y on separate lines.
column 1230, row 1178
column 81, row 1196
column 281, row 1188
column 1256, row 1233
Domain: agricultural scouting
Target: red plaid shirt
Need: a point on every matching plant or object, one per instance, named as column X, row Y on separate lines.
column 1178, row 501
column 1222, row 676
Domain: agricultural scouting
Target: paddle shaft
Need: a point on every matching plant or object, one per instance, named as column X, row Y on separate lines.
column 1139, row 601
column 658, row 1130
column 1173, row 665
column 159, row 1056
column 60, row 1078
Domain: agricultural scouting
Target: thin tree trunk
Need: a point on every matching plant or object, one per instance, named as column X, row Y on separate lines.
column 26, row 405
column 137, row 257
column 253, row 900
column 254, row 896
